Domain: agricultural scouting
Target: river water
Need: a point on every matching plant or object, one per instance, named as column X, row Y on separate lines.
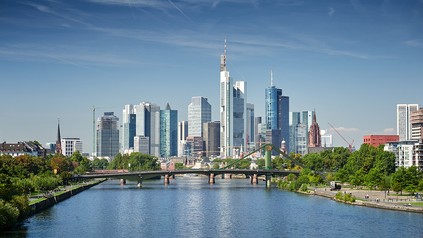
column 189, row 207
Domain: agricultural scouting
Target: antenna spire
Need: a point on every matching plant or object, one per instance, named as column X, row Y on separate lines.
column 224, row 51
column 271, row 78
column 223, row 59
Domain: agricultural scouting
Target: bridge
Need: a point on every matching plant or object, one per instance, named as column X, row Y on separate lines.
column 139, row 176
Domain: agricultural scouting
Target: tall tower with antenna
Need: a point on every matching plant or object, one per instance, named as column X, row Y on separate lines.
column 226, row 105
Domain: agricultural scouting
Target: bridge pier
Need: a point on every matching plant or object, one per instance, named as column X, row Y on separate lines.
column 268, row 180
column 211, row 178
column 166, row 179
column 122, row 182
column 139, row 184
column 254, row 179
column 229, row 176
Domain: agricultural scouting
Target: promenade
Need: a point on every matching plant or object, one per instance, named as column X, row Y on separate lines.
column 375, row 198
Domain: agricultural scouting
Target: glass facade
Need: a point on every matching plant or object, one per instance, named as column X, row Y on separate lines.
column 168, row 132
column 199, row 112
column 107, row 135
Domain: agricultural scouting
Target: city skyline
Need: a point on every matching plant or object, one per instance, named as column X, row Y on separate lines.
column 351, row 61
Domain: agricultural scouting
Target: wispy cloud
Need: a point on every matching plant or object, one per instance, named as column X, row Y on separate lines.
column 179, row 10
column 331, row 11
column 418, row 43
column 64, row 55
column 51, row 11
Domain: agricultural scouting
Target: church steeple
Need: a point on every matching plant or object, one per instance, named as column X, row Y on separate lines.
column 59, row 139
column 314, row 139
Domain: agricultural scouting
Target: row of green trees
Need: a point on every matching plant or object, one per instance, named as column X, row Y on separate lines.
column 369, row 166
column 24, row 175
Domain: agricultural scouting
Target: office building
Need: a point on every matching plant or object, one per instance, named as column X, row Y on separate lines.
column 107, row 145
column 71, row 145
column 257, row 135
column 376, row 140
column 142, row 144
column 211, row 137
column 404, row 120
column 128, row 130
column 148, row 125
column 182, row 136
column 417, row 125
column 168, row 132
column 327, row 139
column 239, row 115
column 199, row 112
column 305, row 118
column 233, row 98
column 250, row 126
column 277, row 114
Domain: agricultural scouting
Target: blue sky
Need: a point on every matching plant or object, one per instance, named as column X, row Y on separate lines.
column 351, row 61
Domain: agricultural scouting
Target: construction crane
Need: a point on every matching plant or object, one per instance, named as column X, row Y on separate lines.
column 350, row 145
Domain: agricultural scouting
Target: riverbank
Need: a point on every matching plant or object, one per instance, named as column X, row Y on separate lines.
column 39, row 204
column 375, row 199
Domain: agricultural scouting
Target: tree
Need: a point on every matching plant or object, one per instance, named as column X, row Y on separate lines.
column 399, row 179
column 99, row 163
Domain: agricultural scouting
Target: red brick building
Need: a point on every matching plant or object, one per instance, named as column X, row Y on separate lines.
column 376, row 140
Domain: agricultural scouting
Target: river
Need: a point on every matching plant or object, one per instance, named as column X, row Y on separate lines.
column 189, row 207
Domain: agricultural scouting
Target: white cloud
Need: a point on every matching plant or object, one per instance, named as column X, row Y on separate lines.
column 389, row 131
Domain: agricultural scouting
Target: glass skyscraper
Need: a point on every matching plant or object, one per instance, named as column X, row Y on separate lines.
column 128, row 131
column 168, row 132
column 199, row 112
column 277, row 114
column 107, row 136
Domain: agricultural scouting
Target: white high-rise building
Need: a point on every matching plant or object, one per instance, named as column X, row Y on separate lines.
column 226, row 104
column 233, row 99
column 148, row 125
column 404, row 121
column 199, row 112
column 182, row 138
column 127, row 131
column 71, row 145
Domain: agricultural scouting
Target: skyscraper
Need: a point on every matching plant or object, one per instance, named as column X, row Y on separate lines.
column 403, row 120
column 233, row 99
column 250, row 126
column 299, row 126
column 168, row 132
column 277, row 114
column 239, row 115
column 199, row 112
column 182, row 138
column 148, row 124
column 107, row 136
column 128, row 128
column 226, row 104
column 211, row 137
